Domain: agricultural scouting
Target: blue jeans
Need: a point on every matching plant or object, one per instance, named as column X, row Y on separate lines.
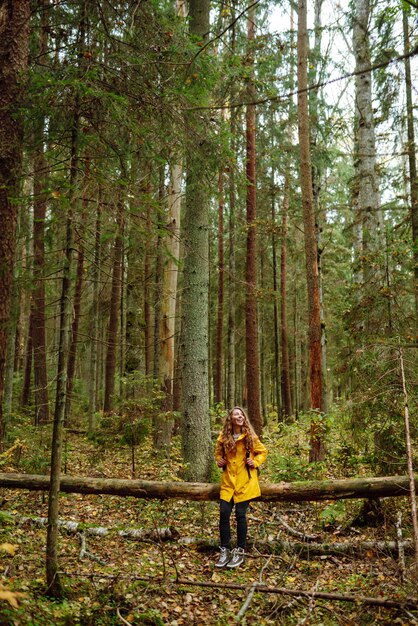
column 225, row 525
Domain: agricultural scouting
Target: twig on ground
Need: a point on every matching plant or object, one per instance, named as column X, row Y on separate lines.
column 311, row 606
column 247, row 602
column 408, row 603
column 85, row 554
column 122, row 619
column 293, row 531
column 412, row 617
column 250, row 595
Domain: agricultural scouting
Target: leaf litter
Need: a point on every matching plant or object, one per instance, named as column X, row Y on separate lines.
column 124, row 578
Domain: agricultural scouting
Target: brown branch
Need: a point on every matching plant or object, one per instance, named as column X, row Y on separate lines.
column 408, row 603
column 290, row 94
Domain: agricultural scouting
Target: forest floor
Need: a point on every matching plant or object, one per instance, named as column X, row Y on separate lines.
column 135, row 581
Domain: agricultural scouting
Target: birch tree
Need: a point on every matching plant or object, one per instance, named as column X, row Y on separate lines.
column 367, row 181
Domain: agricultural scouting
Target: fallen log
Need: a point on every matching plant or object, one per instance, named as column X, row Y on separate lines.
column 407, row 603
column 271, row 546
column 168, row 533
column 298, row 491
column 308, row 550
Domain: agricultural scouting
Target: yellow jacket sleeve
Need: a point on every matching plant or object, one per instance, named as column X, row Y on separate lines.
column 259, row 453
column 219, row 450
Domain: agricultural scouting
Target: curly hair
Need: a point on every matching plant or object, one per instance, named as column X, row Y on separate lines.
column 228, row 430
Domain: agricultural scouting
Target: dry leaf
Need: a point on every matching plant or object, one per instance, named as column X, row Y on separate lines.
column 11, row 597
column 9, row 548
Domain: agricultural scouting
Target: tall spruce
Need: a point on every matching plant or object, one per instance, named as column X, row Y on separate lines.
column 252, row 360
column 412, row 158
column 317, row 451
column 196, row 432
column 54, row 584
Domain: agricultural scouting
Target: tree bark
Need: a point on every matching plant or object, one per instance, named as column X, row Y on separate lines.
column 219, row 360
column 196, row 435
column 148, row 334
column 114, row 313
column 231, row 382
column 251, row 329
column 14, row 39
column 317, row 450
column 367, row 181
column 413, row 180
column 165, row 331
column 27, row 371
column 163, row 426
column 53, row 578
column 158, row 281
column 316, row 186
column 276, row 367
column 298, row 491
column 306, row 550
column 39, row 215
column 77, row 297
column 94, row 349
column 284, row 330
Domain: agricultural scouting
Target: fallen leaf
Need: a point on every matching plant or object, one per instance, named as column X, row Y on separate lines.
column 11, row 597
column 9, row 548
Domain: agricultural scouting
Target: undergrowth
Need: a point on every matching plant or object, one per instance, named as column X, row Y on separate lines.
column 136, row 582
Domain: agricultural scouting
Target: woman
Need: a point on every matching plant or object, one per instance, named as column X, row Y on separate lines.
column 239, row 452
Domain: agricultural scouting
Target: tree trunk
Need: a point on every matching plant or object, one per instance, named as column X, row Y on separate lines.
column 196, row 435
column 169, row 288
column 231, row 383
column 148, row 334
column 276, row 363
column 316, row 186
column 114, row 313
column 251, row 330
column 77, row 297
column 298, row 491
column 284, row 331
column 123, row 321
column 158, row 281
column 38, row 298
column 367, row 180
column 413, row 180
column 27, row 372
column 286, row 377
column 94, row 349
column 40, row 185
column 163, row 425
column 317, row 450
column 10, row 347
column 219, row 396
column 53, row 578
column 14, row 38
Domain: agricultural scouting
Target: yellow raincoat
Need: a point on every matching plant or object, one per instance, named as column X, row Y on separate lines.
column 235, row 480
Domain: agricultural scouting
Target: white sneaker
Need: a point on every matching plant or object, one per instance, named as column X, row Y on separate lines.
column 224, row 557
column 237, row 557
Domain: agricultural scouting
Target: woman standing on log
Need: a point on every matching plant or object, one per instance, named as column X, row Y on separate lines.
column 239, row 452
